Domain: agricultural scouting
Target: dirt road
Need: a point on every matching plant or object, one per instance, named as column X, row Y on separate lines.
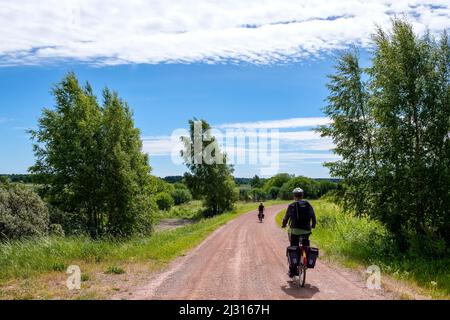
column 246, row 260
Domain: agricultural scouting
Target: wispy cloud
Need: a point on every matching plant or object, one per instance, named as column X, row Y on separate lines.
column 110, row 32
column 291, row 142
column 160, row 145
column 5, row 120
column 278, row 124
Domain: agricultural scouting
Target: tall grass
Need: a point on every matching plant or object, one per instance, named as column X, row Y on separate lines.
column 192, row 210
column 28, row 258
column 361, row 241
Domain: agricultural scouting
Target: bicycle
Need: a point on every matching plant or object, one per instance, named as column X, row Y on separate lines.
column 261, row 217
column 302, row 267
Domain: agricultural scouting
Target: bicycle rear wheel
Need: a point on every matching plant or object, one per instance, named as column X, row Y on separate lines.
column 302, row 277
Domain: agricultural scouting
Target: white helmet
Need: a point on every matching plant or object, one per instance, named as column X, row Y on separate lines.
column 298, row 191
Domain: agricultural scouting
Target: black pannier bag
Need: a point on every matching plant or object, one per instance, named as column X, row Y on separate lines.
column 293, row 255
column 313, row 254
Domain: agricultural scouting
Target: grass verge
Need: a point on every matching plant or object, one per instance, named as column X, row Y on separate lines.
column 192, row 211
column 29, row 259
column 360, row 242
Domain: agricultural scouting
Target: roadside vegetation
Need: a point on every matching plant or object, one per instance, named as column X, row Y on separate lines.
column 91, row 198
column 356, row 241
column 31, row 258
column 192, row 210
column 281, row 185
column 390, row 124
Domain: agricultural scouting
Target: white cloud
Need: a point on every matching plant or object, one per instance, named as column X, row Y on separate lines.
column 291, row 142
column 159, row 145
column 109, row 32
column 298, row 156
column 5, row 120
column 278, row 124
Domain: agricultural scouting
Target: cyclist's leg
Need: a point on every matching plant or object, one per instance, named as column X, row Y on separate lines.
column 305, row 240
column 294, row 240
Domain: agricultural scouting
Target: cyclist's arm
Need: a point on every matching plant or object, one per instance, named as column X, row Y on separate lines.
column 313, row 217
column 287, row 217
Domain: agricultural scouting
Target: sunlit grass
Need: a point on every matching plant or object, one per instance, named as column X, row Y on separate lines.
column 356, row 241
column 29, row 258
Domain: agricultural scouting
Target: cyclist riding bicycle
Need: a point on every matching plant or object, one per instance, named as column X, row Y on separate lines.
column 301, row 219
column 261, row 209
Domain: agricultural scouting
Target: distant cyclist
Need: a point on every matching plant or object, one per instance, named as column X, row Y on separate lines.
column 301, row 219
column 261, row 209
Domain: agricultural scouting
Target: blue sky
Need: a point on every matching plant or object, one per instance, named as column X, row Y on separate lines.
column 163, row 98
column 172, row 61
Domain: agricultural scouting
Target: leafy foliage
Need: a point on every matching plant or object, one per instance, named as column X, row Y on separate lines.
column 273, row 193
column 15, row 178
column 164, row 201
column 258, row 194
column 210, row 176
column 90, row 162
column 181, row 195
column 256, row 182
column 244, row 194
column 391, row 126
column 310, row 187
column 277, row 181
column 22, row 213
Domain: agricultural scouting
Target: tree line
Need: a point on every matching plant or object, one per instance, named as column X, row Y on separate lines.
column 281, row 185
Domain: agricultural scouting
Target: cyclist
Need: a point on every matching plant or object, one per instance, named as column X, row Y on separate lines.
column 301, row 219
column 261, row 211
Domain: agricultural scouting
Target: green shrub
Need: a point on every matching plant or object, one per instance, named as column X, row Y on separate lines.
column 164, row 201
column 277, row 181
column 258, row 194
column 69, row 222
column 273, row 193
column 244, row 194
column 59, row 267
column 115, row 270
column 190, row 210
column 22, row 214
column 311, row 188
column 85, row 277
column 181, row 196
column 56, row 230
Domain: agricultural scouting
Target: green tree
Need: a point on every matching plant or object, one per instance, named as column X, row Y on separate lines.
column 311, row 188
column 273, row 192
column 325, row 186
column 244, row 194
column 210, row 176
column 4, row 180
column 89, row 160
column 181, row 195
column 126, row 184
column 164, row 201
column 391, row 131
column 258, row 194
column 277, row 181
column 256, row 182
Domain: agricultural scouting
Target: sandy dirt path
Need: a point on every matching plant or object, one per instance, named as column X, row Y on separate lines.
column 247, row 260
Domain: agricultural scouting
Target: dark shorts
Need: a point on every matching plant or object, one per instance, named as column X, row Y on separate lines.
column 295, row 240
